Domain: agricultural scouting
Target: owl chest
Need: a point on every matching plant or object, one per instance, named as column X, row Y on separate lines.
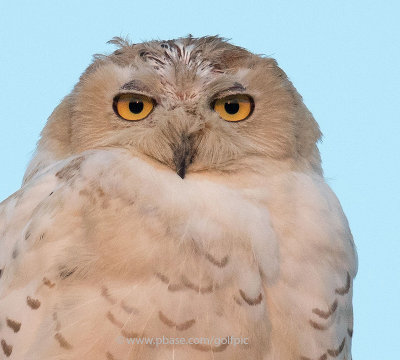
column 198, row 277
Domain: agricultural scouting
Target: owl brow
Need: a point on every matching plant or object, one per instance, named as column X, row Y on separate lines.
column 237, row 87
column 135, row 85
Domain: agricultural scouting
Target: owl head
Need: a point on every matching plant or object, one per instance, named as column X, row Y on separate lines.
column 188, row 105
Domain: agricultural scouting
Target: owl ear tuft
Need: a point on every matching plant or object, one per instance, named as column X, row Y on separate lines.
column 55, row 139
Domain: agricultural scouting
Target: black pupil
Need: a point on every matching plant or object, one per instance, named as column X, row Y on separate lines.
column 136, row 106
column 231, row 107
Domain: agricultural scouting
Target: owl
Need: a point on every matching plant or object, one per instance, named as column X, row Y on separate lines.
column 175, row 208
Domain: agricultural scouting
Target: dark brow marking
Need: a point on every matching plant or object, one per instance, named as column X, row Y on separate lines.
column 136, row 85
column 237, row 87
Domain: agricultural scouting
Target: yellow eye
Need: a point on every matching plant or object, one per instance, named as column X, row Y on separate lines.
column 133, row 107
column 234, row 107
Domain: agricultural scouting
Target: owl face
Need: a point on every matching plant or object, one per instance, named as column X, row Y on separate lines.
column 189, row 105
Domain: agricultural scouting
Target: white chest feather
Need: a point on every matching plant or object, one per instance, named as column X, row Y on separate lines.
column 102, row 248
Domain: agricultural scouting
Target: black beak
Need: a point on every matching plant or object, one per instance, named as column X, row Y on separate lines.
column 181, row 169
column 183, row 154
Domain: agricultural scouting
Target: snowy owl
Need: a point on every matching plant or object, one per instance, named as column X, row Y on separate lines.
column 175, row 208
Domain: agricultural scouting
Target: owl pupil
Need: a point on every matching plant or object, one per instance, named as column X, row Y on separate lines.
column 231, row 107
column 136, row 107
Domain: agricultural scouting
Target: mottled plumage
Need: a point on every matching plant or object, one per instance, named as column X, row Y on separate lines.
column 105, row 243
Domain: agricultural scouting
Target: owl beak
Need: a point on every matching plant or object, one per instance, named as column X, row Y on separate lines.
column 183, row 154
column 181, row 170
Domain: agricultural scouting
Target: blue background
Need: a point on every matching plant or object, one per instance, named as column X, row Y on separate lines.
column 343, row 56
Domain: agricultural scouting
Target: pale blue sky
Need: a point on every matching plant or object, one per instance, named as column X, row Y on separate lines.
column 343, row 56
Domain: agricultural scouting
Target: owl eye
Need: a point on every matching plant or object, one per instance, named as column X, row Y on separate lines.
column 133, row 107
column 234, row 107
